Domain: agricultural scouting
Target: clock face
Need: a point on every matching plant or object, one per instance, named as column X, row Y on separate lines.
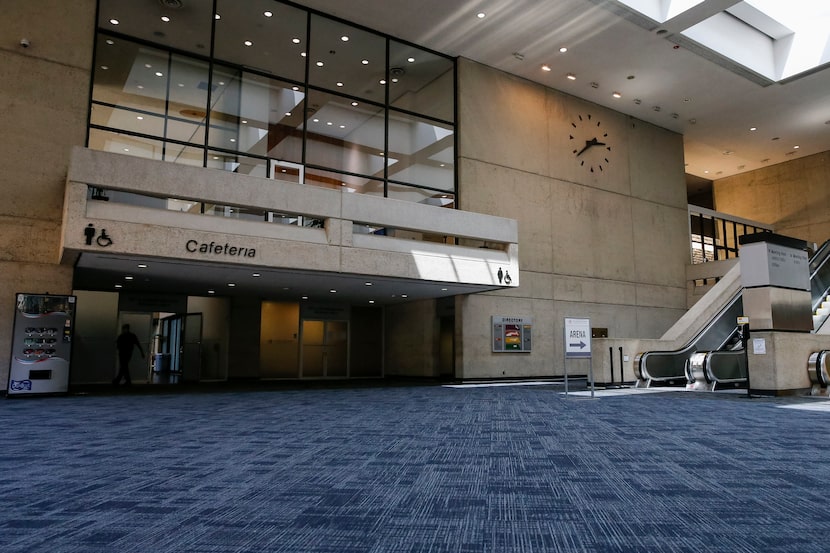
column 589, row 143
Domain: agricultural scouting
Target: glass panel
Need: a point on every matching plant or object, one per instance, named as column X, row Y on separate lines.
column 106, row 141
column 344, row 134
column 184, row 155
column 249, row 36
column 332, row 179
column 186, row 27
column 127, row 120
column 347, row 59
column 256, row 115
column 421, row 152
column 187, row 100
column 420, row 195
column 422, row 82
column 243, row 165
column 130, row 76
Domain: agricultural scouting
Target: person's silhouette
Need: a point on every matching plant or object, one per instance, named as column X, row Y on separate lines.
column 124, row 344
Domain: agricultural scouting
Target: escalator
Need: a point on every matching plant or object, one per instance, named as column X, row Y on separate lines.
column 715, row 355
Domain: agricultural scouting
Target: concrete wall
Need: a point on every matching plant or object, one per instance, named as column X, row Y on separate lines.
column 610, row 245
column 793, row 197
column 43, row 108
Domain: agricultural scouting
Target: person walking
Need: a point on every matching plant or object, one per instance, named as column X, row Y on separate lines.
column 125, row 343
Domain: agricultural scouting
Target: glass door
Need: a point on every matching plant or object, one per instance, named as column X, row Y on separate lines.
column 325, row 347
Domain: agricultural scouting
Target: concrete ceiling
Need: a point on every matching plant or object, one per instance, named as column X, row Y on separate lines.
column 712, row 102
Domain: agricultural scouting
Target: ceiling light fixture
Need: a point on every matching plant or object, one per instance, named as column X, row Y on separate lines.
column 142, row 266
column 563, row 49
column 545, row 67
column 410, row 60
column 616, row 95
column 211, row 291
column 753, row 128
column 295, row 40
column 481, row 15
column 364, row 62
column 571, row 76
column 114, row 21
column 320, row 64
column 165, row 19
column 344, row 38
column 267, row 14
column 255, row 275
column 248, row 43
column 231, row 284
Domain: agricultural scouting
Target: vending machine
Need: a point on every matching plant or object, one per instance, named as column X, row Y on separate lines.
column 41, row 344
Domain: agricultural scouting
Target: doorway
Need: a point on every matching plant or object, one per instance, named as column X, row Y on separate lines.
column 325, row 349
column 179, row 349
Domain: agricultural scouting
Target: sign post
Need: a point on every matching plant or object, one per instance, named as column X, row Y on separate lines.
column 578, row 346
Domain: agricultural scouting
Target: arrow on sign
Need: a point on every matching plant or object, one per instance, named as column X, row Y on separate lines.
column 580, row 345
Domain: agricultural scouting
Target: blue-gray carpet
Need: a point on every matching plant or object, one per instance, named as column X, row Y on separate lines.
column 411, row 469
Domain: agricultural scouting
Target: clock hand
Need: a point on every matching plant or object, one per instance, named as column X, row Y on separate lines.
column 588, row 144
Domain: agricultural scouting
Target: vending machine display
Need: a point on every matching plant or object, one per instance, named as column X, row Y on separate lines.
column 41, row 344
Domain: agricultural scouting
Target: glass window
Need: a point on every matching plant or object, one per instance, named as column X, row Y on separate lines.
column 263, row 35
column 184, row 155
column 184, row 25
column 130, row 76
column 187, row 100
column 255, row 115
column 118, row 143
column 346, row 59
column 340, row 181
column 421, row 151
column 421, row 82
column 344, row 134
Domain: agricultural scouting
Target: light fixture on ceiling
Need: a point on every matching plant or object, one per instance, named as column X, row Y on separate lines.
column 796, row 147
column 481, row 15
column 571, row 77
column 114, row 21
column 546, row 67
column 616, row 95
column 563, row 49
column 165, row 19
column 248, row 43
column 256, row 275
column 753, row 129
column 344, row 38
column 142, row 265
column 268, row 14
column 231, row 284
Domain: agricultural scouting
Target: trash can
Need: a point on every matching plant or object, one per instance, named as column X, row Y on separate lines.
column 161, row 364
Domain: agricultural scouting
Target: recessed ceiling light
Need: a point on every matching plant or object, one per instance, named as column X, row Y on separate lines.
column 114, row 21
column 215, row 157
column 233, row 140
column 142, row 265
column 616, row 95
column 126, row 149
column 267, row 14
column 344, row 126
column 404, row 296
column 288, row 114
column 329, row 123
column 364, row 62
column 545, row 67
column 231, row 284
column 796, row 147
column 316, row 120
column 410, row 60
column 110, row 41
column 382, row 81
column 563, row 49
column 295, row 40
column 481, row 15
column 148, row 65
column 320, row 64
column 165, row 19
column 140, row 87
column 368, row 283
column 255, row 275
column 371, row 301
column 118, row 286
column 339, row 84
column 304, row 298
column 571, row 76
column 753, row 128
column 217, row 16
column 443, row 289
column 333, row 291
column 159, row 74
column 128, row 277
column 104, row 67
column 244, row 121
column 344, row 38
column 248, row 43
column 355, row 104
column 211, row 291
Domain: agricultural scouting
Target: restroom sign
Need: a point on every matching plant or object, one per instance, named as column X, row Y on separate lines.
column 577, row 338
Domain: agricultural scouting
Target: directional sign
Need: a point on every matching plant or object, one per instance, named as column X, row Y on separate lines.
column 577, row 338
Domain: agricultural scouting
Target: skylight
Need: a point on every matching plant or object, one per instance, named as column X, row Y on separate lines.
column 775, row 39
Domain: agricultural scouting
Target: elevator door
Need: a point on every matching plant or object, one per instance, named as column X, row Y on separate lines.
column 325, row 349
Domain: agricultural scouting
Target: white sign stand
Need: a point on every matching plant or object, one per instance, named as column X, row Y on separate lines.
column 578, row 346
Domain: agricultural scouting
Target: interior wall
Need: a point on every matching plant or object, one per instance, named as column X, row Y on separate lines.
column 793, row 197
column 94, row 357
column 279, row 344
column 412, row 331
column 44, row 100
column 215, row 334
column 366, row 347
column 610, row 245
column 243, row 350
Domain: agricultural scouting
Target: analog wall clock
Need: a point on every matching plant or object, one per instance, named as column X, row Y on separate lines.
column 589, row 143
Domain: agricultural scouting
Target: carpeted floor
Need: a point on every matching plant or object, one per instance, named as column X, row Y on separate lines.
column 412, row 469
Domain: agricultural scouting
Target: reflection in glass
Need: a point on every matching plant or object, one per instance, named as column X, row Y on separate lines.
column 421, row 151
column 130, row 76
column 349, row 183
column 346, row 59
column 421, row 82
column 187, row 100
column 107, row 141
column 248, row 36
column 255, row 115
column 233, row 163
column 183, row 29
column 344, row 134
